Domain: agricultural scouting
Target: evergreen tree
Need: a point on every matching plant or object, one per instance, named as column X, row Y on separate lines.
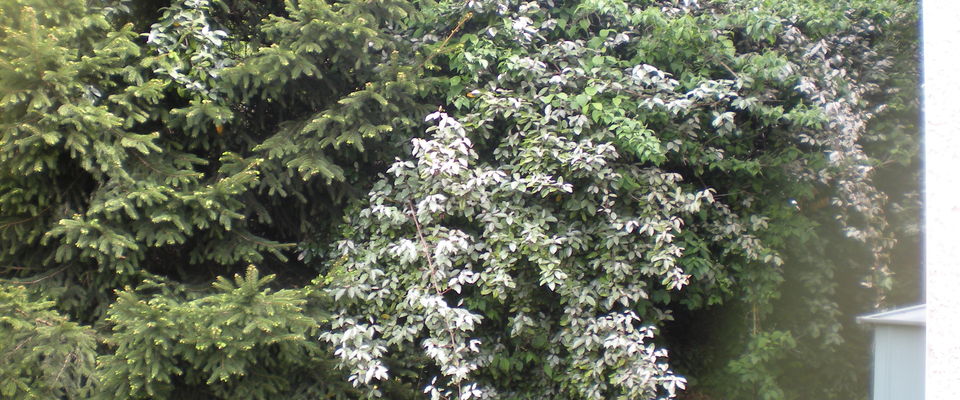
column 186, row 152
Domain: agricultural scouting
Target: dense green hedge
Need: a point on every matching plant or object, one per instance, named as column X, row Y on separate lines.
column 488, row 199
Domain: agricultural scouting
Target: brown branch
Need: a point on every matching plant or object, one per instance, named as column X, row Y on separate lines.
column 31, row 282
column 433, row 276
column 28, row 219
column 262, row 243
column 155, row 169
column 21, row 344
column 426, row 246
column 725, row 66
column 66, row 360
column 456, row 29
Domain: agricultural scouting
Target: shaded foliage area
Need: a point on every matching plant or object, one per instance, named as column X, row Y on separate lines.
column 603, row 181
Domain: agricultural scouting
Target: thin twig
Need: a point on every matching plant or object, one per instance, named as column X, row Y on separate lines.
column 9, row 224
column 727, row 67
column 433, row 280
column 456, row 29
column 31, row 282
column 262, row 243
column 66, row 360
column 425, row 245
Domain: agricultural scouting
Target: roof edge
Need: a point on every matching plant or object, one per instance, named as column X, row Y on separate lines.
column 890, row 317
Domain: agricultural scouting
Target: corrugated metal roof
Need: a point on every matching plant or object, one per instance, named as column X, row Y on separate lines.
column 915, row 315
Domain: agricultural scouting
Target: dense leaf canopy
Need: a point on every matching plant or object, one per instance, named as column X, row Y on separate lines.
column 482, row 199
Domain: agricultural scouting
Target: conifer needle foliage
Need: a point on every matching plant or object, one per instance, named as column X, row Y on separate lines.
column 493, row 199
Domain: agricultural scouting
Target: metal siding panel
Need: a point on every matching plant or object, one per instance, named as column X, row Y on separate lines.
column 898, row 363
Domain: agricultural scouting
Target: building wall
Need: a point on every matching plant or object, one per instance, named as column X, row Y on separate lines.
column 941, row 111
column 898, row 372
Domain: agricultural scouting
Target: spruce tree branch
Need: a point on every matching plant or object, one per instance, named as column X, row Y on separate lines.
column 37, row 280
column 262, row 243
column 28, row 219
column 66, row 360
column 155, row 169
column 21, row 344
